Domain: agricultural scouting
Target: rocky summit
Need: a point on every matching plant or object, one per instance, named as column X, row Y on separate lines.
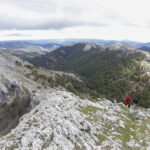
column 64, row 121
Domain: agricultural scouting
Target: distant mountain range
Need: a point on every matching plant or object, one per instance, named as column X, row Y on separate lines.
column 24, row 44
column 27, row 49
column 32, row 48
column 145, row 48
column 50, row 43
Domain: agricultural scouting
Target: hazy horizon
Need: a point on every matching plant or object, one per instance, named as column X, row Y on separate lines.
column 68, row 39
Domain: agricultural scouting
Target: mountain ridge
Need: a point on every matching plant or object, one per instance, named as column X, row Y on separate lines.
column 110, row 72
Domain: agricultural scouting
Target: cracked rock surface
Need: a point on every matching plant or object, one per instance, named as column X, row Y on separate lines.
column 64, row 121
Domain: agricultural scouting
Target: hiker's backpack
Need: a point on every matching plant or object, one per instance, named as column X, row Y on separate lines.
column 136, row 101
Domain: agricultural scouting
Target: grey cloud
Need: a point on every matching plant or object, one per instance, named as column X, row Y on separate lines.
column 54, row 14
column 50, row 24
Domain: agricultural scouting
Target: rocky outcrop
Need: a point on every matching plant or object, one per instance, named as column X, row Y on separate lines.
column 15, row 100
column 90, row 46
column 64, row 121
column 20, row 91
column 58, row 120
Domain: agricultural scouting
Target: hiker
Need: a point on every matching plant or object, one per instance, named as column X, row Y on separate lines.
column 115, row 102
column 127, row 101
column 135, row 102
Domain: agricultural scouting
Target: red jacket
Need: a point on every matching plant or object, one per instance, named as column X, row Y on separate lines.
column 127, row 100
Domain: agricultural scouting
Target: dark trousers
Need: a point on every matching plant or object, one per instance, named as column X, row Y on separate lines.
column 128, row 104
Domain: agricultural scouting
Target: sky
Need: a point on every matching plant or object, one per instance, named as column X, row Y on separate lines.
column 88, row 19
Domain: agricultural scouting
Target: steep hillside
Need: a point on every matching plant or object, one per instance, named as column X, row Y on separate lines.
column 113, row 73
column 22, row 85
column 33, row 76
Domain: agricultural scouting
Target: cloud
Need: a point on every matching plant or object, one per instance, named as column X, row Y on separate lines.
column 27, row 19
column 54, row 14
